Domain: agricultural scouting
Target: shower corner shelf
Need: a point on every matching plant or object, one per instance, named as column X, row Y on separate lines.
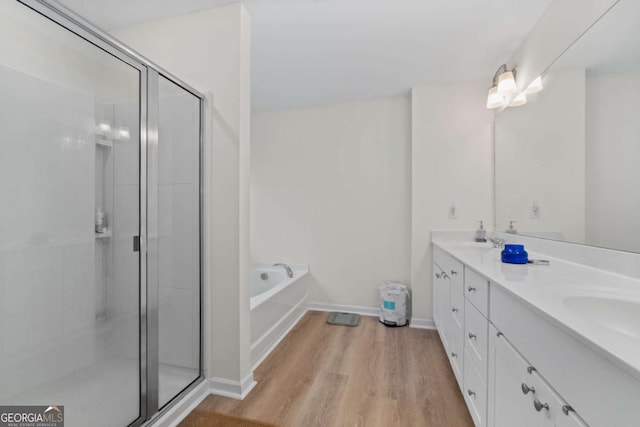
column 104, row 235
column 104, row 143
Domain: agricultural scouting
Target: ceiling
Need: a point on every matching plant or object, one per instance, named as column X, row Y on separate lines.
column 313, row 52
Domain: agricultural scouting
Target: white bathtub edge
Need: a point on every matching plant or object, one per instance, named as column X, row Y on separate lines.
column 275, row 336
column 258, row 300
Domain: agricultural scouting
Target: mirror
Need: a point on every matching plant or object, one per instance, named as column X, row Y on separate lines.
column 568, row 162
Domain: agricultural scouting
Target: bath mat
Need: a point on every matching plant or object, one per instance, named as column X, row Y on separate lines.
column 345, row 319
column 204, row 418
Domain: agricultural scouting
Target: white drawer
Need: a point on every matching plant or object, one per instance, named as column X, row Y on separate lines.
column 475, row 393
column 569, row 419
column 456, row 357
column 453, row 268
column 476, row 330
column 457, row 313
column 476, row 289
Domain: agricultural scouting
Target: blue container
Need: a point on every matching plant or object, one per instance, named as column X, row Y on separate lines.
column 514, row 254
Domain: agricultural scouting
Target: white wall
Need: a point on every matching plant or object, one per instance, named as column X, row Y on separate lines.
column 210, row 50
column 613, row 150
column 540, row 156
column 331, row 188
column 451, row 162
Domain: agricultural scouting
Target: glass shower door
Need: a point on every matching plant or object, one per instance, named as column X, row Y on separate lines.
column 69, row 212
column 178, row 254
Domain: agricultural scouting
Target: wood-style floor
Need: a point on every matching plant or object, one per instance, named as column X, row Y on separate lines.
column 369, row 375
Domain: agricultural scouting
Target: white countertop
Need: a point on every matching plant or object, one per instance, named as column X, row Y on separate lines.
column 551, row 290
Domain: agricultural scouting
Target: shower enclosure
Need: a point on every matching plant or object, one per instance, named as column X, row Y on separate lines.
column 100, row 223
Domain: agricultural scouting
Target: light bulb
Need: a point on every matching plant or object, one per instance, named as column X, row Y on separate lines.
column 506, row 83
column 494, row 99
column 519, row 100
column 535, row 86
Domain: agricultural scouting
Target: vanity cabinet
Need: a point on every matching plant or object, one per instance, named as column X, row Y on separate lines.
column 448, row 308
column 486, row 334
column 460, row 305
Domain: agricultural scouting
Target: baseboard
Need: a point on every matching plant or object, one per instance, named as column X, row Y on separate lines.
column 233, row 389
column 419, row 323
column 266, row 352
column 182, row 408
column 358, row 309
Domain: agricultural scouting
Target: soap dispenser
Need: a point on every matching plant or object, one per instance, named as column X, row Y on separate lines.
column 481, row 233
column 511, row 229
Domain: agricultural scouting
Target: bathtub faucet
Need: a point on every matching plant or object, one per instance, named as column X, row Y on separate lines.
column 286, row 267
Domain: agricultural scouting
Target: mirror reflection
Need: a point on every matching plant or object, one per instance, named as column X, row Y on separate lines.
column 568, row 161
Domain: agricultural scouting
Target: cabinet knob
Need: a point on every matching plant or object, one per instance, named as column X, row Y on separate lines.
column 453, row 272
column 453, row 354
column 437, row 275
column 526, row 389
column 540, row 406
column 471, row 393
column 472, row 336
column 444, row 275
column 566, row 409
column 471, row 289
column 530, row 369
column 454, row 310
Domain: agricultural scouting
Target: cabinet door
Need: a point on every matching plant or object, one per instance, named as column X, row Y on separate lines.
column 435, row 280
column 508, row 371
column 456, row 312
column 441, row 304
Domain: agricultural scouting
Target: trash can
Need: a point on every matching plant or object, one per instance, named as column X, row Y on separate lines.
column 393, row 303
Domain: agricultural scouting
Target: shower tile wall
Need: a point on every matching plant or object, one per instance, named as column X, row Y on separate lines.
column 46, row 236
column 68, row 320
column 124, row 293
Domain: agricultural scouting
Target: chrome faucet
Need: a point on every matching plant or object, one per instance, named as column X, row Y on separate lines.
column 286, row 267
column 497, row 241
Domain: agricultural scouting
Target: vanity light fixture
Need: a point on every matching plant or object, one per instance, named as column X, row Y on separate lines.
column 535, row 86
column 494, row 99
column 519, row 100
column 504, row 84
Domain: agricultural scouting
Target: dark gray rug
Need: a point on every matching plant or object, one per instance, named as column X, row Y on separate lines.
column 344, row 319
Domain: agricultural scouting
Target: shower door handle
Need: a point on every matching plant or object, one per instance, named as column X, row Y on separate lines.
column 136, row 243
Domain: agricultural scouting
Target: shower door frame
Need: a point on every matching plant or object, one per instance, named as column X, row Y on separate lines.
column 148, row 201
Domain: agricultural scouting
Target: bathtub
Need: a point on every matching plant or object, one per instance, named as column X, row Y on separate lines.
column 277, row 303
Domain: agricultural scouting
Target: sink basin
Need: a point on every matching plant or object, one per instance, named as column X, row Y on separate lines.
column 618, row 315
